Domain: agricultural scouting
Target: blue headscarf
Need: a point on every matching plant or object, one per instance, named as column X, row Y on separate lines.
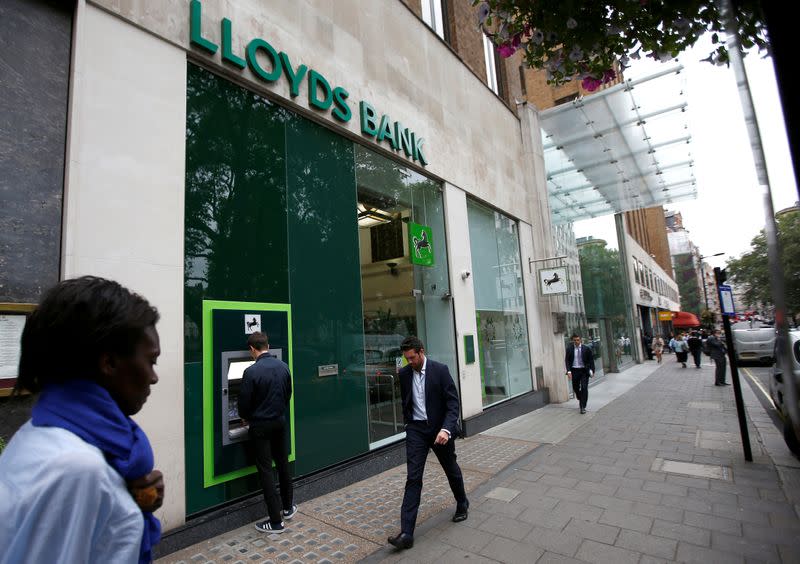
column 87, row 410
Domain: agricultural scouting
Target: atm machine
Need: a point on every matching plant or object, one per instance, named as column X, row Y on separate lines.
column 226, row 326
column 233, row 365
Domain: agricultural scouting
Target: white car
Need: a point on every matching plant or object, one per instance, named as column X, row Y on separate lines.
column 754, row 344
column 776, row 389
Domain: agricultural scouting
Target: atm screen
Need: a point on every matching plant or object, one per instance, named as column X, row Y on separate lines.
column 236, row 369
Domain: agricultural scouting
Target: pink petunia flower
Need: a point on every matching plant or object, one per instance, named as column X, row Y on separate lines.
column 506, row 50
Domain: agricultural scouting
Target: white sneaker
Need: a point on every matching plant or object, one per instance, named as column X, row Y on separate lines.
column 289, row 513
column 267, row 527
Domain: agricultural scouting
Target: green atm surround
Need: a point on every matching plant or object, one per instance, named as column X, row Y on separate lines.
column 217, row 313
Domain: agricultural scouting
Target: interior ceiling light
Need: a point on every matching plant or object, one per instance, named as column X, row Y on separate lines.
column 369, row 216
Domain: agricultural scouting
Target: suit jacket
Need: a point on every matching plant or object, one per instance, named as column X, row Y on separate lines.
column 716, row 348
column 441, row 397
column 265, row 391
column 586, row 355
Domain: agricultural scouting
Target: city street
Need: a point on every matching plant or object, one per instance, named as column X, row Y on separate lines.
column 653, row 473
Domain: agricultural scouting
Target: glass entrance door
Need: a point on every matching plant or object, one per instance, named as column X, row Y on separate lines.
column 400, row 298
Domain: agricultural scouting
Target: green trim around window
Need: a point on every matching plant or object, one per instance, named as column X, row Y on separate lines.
column 209, row 479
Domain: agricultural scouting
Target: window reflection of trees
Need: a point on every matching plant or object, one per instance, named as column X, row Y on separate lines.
column 234, row 177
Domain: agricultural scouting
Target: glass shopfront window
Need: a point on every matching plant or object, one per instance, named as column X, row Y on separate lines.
column 499, row 303
column 606, row 309
column 283, row 214
column 400, row 298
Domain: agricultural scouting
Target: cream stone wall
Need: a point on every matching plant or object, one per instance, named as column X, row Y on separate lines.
column 459, row 255
column 536, row 241
column 124, row 200
column 380, row 52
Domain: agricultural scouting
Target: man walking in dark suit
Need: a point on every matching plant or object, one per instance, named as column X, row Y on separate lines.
column 263, row 401
column 430, row 412
column 717, row 351
column 580, row 367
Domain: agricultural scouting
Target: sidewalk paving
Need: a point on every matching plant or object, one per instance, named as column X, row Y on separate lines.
column 627, row 482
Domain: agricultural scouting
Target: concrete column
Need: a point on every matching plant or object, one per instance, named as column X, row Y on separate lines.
column 124, row 200
column 536, row 241
column 459, row 256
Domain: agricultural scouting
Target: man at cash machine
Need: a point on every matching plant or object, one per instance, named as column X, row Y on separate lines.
column 263, row 402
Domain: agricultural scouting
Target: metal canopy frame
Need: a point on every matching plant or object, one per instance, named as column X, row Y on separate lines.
column 624, row 148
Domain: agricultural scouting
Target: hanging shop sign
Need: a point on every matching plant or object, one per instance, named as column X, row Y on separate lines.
column 553, row 281
column 270, row 65
column 665, row 316
column 420, row 244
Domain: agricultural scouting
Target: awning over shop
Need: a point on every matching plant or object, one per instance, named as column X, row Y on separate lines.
column 623, row 148
column 684, row 319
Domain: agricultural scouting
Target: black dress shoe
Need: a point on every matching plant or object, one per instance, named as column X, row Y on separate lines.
column 583, row 411
column 461, row 514
column 724, row 384
column 402, row 541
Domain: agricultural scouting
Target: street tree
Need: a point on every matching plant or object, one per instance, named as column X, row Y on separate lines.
column 751, row 271
column 589, row 40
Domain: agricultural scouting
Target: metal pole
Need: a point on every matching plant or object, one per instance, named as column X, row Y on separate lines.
column 737, row 386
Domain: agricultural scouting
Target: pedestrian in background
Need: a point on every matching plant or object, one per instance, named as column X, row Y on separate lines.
column 681, row 349
column 579, row 361
column 263, row 400
column 647, row 342
column 77, row 482
column 696, row 348
column 717, row 351
column 658, row 347
column 430, row 413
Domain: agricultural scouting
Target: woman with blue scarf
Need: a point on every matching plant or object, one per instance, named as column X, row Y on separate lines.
column 77, row 482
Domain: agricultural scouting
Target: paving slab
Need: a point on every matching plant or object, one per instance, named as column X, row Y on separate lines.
column 654, row 473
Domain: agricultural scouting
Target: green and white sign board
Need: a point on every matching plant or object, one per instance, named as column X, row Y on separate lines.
column 420, row 244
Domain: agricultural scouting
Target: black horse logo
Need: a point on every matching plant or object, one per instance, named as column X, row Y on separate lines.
column 421, row 243
column 552, row 280
column 252, row 323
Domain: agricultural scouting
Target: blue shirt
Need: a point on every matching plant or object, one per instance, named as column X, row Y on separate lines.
column 61, row 502
column 418, row 412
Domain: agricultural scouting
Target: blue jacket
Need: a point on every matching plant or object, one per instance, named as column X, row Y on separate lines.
column 266, row 390
column 441, row 397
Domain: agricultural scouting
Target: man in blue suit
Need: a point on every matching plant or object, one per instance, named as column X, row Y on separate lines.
column 580, row 367
column 430, row 413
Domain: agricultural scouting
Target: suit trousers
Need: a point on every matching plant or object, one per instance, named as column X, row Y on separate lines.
column 719, row 372
column 269, row 444
column 580, row 385
column 697, row 355
column 419, row 439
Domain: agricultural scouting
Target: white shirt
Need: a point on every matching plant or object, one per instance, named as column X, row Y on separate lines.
column 418, row 412
column 577, row 358
column 61, row 502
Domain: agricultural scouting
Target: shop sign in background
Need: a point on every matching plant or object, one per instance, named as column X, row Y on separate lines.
column 420, row 244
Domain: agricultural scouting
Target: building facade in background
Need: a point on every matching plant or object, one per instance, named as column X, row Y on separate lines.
column 337, row 175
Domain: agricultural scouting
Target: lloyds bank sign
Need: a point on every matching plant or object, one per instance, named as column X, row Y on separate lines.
column 321, row 95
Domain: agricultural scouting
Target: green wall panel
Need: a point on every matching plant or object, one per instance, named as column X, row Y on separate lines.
column 325, row 286
column 262, row 227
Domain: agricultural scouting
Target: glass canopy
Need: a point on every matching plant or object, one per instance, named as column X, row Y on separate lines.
column 623, row 148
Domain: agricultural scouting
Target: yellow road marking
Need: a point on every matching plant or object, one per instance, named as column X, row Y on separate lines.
column 760, row 386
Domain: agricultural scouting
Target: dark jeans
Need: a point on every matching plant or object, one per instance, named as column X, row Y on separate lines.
column 698, row 357
column 269, row 444
column 580, row 385
column 719, row 372
column 419, row 438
